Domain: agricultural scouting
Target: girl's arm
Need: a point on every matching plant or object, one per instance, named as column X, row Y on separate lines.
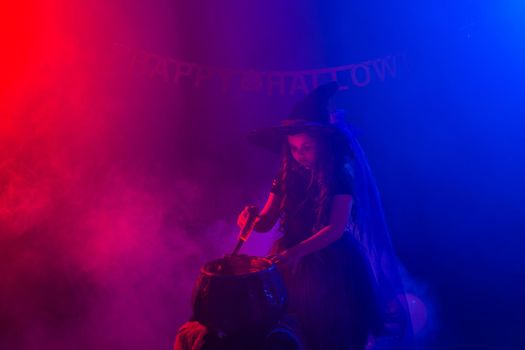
column 269, row 214
column 339, row 216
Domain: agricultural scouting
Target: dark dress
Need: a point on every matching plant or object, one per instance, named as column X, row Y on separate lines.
column 332, row 293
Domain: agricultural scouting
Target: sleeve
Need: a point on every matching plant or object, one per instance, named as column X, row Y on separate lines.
column 343, row 182
column 276, row 187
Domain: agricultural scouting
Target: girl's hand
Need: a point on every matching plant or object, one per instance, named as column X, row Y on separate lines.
column 246, row 214
column 289, row 258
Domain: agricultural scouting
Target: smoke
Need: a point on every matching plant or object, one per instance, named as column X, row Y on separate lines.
column 103, row 229
column 97, row 253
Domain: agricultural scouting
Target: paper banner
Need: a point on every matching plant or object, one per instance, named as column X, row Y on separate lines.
column 281, row 83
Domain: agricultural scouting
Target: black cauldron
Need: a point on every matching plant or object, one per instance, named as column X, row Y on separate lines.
column 239, row 293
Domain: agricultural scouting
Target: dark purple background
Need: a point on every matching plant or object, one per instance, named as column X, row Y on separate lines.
column 115, row 188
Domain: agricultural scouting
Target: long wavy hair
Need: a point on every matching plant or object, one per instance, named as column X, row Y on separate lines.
column 333, row 155
column 342, row 149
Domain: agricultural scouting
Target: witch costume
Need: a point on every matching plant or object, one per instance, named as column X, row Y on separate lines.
column 347, row 293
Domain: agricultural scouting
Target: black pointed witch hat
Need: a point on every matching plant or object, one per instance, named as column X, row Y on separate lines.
column 311, row 113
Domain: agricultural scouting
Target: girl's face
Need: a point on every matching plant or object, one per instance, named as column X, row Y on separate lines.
column 304, row 149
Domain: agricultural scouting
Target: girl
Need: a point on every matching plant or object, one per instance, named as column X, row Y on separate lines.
column 334, row 253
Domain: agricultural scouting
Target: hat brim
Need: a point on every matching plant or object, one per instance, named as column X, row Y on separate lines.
column 272, row 138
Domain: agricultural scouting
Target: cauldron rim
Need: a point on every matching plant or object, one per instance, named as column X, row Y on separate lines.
column 270, row 268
